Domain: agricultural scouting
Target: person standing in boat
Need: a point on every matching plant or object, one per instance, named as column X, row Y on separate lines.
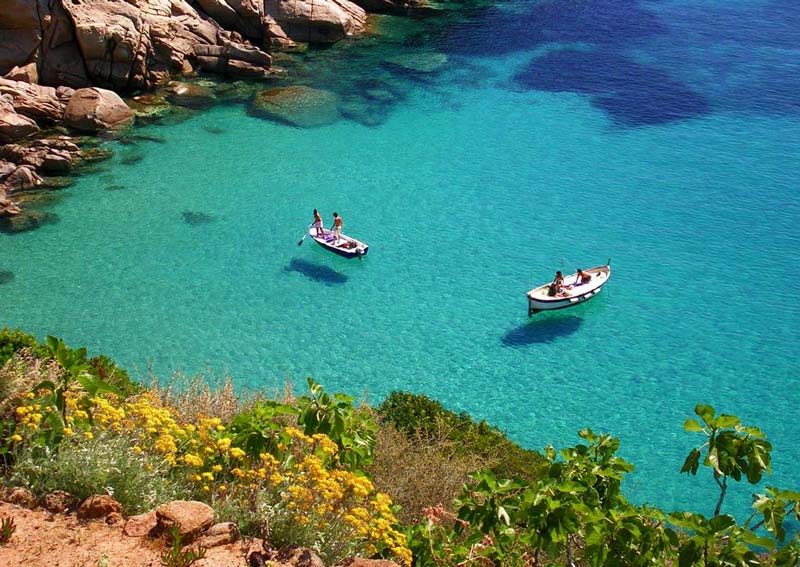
column 337, row 227
column 318, row 224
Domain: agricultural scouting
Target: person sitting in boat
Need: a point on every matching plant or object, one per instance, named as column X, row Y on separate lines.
column 558, row 282
column 318, row 224
column 337, row 227
column 582, row 277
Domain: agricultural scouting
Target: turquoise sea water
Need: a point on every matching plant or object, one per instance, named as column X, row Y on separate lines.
column 662, row 134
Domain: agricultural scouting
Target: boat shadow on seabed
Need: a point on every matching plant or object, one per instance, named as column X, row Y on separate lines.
column 541, row 331
column 317, row 272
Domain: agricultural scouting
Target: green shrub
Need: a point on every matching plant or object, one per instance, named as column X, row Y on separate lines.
column 106, row 370
column 177, row 556
column 7, row 529
column 351, row 428
column 103, row 464
column 418, row 415
column 12, row 340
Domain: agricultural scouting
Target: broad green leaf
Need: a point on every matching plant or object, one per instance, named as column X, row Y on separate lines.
column 724, row 421
column 691, row 463
column 706, row 413
column 692, row 425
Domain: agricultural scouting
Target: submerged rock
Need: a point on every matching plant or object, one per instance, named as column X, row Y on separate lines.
column 38, row 198
column 93, row 155
column 57, row 182
column 197, row 217
column 191, row 95
column 425, row 62
column 214, row 130
column 26, row 220
column 301, row 106
column 6, row 276
column 364, row 111
column 131, row 159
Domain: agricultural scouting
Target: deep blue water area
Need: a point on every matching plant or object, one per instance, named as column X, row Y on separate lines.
column 478, row 152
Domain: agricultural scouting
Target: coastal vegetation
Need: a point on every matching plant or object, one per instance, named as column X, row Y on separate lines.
column 407, row 480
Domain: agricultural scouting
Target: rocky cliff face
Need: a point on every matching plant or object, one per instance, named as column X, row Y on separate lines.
column 135, row 44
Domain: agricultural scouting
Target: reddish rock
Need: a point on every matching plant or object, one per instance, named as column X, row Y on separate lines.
column 295, row 557
column 141, row 525
column 58, row 502
column 115, row 519
column 21, row 179
column 22, row 497
column 39, row 103
column 14, row 127
column 319, row 21
column 27, row 74
column 93, row 110
column 191, row 518
column 98, row 506
column 219, row 534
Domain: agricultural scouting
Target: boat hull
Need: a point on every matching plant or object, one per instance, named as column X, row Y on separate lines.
column 345, row 246
column 575, row 294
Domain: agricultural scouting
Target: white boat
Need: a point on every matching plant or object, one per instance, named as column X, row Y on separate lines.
column 343, row 245
column 573, row 292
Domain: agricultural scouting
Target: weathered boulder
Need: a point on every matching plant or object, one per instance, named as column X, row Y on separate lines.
column 244, row 16
column 190, row 95
column 42, row 104
column 190, row 517
column 234, row 59
column 93, row 110
column 14, row 127
column 27, row 74
column 298, row 105
column 8, row 208
column 317, row 21
column 22, row 178
column 21, row 497
column 219, row 534
column 141, row 525
column 294, row 557
column 97, row 507
column 20, row 31
column 6, row 168
column 58, row 502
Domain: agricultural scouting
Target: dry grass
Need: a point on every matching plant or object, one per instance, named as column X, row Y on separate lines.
column 212, row 397
column 19, row 375
column 420, row 472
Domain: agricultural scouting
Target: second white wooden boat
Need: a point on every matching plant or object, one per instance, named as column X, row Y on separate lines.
column 572, row 292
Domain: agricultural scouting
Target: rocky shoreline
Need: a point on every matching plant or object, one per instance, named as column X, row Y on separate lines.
column 62, row 63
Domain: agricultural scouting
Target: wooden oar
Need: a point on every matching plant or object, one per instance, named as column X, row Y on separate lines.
column 300, row 242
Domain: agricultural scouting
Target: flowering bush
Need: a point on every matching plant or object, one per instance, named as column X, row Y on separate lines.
column 298, row 489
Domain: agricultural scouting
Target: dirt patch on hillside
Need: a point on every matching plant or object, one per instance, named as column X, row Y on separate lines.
column 43, row 539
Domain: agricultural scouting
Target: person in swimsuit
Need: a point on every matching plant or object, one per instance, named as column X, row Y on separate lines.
column 558, row 282
column 337, row 227
column 582, row 277
column 318, row 224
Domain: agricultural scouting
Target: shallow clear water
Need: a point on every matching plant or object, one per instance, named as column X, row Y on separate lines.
column 660, row 134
